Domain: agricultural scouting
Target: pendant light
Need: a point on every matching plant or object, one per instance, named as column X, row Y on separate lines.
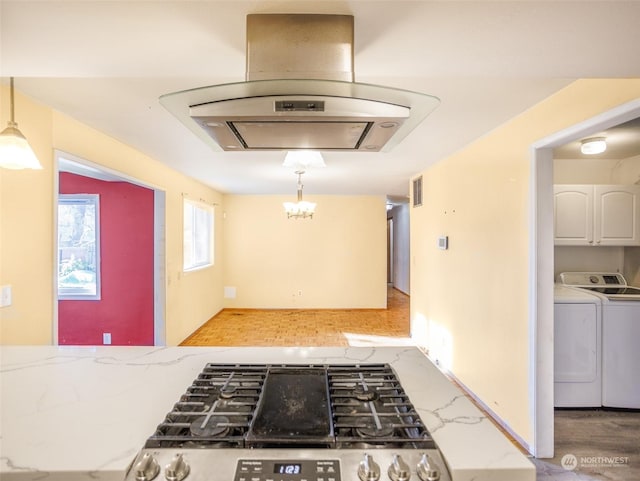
column 15, row 152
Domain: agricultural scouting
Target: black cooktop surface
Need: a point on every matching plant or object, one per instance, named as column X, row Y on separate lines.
column 293, row 406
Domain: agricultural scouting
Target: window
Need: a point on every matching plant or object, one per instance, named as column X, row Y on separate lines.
column 198, row 235
column 78, row 246
column 417, row 191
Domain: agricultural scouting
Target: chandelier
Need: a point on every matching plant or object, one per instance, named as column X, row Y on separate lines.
column 301, row 208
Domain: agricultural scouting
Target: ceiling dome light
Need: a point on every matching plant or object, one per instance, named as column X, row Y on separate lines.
column 594, row 145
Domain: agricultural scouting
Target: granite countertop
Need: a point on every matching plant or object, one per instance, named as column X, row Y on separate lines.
column 82, row 413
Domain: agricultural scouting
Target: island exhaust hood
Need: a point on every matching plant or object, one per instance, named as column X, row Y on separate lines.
column 300, row 93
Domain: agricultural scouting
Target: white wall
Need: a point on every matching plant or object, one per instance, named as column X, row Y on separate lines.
column 596, row 171
column 631, row 270
column 627, row 171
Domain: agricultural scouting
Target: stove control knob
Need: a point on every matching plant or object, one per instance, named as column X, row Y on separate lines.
column 368, row 469
column 177, row 469
column 427, row 469
column 398, row 469
column 147, row 468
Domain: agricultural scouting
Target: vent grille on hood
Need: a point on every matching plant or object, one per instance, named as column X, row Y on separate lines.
column 300, row 94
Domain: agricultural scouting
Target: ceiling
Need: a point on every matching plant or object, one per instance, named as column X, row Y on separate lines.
column 106, row 63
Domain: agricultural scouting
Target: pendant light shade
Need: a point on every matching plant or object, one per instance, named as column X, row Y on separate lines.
column 15, row 151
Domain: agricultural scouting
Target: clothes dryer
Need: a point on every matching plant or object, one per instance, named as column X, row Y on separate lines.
column 577, row 348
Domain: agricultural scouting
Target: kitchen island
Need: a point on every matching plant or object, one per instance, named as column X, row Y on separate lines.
column 83, row 413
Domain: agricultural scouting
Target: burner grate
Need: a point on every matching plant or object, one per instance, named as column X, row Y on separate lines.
column 371, row 409
column 215, row 411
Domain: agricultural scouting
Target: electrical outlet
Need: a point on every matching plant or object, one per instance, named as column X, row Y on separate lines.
column 300, row 292
column 106, row 338
column 5, row 296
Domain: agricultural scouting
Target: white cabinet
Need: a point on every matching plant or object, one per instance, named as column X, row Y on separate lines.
column 606, row 215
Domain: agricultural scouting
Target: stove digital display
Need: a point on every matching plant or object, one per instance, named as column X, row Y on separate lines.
column 282, row 468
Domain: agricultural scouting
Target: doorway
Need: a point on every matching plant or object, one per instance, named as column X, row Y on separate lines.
column 129, row 308
column 398, row 244
column 390, row 250
column 541, row 250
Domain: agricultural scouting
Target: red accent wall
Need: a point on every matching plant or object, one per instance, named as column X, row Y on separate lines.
column 126, row 251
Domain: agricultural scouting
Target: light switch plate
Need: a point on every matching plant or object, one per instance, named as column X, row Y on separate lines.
column 5, row 296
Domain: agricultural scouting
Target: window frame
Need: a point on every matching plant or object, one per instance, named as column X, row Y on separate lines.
column 70, row 294
column 198, row 262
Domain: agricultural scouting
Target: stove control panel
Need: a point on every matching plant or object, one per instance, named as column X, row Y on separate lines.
column 196, row 464
column 287, row 470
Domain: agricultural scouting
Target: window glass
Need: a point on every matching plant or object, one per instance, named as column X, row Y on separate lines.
column 198, row 235
column 78, row 246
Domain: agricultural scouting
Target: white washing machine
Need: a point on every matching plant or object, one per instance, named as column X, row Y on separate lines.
column 577, row 348
column 620, row 335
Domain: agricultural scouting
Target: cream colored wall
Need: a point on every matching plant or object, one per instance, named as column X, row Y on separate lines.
column 26, row 238
column 335, row 260
column 26, row 220
column 469, row 304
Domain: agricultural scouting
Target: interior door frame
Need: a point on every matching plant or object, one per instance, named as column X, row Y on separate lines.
column 87, row 168
column 390, row 252
column 541, row 267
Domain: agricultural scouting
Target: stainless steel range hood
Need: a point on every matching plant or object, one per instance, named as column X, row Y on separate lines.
column 300, row 94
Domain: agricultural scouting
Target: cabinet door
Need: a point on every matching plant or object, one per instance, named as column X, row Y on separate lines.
column 617, row 216
column 573, row 215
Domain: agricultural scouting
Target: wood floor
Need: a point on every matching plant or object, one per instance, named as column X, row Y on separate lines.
column 308, row 327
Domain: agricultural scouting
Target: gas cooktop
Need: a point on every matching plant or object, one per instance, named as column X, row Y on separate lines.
column 291, row 422
column 319, row 406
